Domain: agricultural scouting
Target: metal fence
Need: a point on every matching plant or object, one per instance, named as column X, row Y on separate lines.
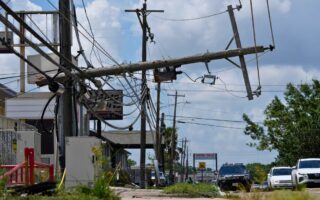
column 8, row 139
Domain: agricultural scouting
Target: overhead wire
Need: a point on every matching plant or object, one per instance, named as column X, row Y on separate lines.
column 36, row 25
column 81, row 51
column 255, row 45
column 209, row 119
column 191, row 19
column 211, row 125
column 270, row 24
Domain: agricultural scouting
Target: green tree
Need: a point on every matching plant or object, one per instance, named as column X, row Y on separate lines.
column 291, row 125
column 131, row 162
column 258, row 171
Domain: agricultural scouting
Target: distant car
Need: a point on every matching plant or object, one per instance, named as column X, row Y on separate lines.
column 233, row 176
column 280, row 177
column 264, row 186
column 307, row 171
column 162, row 178
column 255, row 186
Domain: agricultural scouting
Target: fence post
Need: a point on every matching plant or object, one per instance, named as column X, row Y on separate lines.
column 26, row 159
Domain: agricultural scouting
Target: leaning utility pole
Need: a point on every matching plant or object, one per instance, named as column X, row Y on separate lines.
column 145, row 27
column 66, row 98
column 241, row 57
column 173, row 136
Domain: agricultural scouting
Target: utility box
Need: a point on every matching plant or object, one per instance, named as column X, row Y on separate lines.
column 81, row 162
column 30, row 139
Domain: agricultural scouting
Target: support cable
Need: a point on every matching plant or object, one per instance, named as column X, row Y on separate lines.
column 5, row 43
column 270, row 24
column 36, row 25
column 258, row 90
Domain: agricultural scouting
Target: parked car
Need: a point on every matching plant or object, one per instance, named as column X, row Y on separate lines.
column 280, row 177
column 307, row 171
column 234, row 176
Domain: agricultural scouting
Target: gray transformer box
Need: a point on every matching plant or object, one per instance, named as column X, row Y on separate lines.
column 81, row 162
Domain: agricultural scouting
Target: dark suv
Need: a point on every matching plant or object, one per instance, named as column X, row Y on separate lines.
column 233, row 177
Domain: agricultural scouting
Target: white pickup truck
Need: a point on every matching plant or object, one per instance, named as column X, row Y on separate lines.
column 307, row 171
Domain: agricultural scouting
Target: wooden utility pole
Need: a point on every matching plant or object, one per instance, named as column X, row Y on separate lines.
column 143, row 13
column 173, row 137
column 187, row 165
column 158, row 140
column 161, row 154
column 66, row 98
column 23, row 53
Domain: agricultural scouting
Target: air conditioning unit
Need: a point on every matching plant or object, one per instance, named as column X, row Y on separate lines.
column 44, row 65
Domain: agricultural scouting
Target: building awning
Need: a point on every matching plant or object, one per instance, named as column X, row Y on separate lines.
column 129, row 139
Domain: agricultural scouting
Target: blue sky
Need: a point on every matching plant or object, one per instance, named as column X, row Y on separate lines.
column 295, row 59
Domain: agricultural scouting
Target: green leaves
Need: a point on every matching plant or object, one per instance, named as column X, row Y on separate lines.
column 291, row 126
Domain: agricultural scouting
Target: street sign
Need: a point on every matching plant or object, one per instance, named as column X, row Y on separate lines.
column 108, row 104
column 202, row 165
column 205, row 156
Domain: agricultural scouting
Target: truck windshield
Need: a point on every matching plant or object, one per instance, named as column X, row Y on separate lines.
column 232, row 170
column 281, row 172
column 309, row 164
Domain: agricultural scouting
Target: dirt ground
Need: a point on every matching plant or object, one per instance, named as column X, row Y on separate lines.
column 144, row 194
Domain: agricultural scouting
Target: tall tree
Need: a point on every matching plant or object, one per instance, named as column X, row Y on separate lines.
column 291, row 125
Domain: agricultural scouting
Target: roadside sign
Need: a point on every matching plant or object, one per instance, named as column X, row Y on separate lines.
column 205, row 156
column 202, row 165
column 108, row 104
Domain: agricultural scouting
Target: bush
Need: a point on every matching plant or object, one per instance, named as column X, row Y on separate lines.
column 100, row 189
column 193, row 190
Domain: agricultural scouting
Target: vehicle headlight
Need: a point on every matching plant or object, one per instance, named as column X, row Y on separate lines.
column 305, row 176
column 275, row 181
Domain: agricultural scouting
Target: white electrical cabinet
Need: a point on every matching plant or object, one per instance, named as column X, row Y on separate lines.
column 80, row 160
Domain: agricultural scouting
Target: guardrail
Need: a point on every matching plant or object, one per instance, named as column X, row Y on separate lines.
column 23, row 173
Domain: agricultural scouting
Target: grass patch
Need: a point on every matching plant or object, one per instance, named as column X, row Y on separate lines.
column 192, row 190
column 276, row 195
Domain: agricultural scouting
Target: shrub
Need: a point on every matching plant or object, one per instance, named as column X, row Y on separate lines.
column 193, row 190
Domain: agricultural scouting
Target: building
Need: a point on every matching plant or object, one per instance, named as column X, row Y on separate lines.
column 5, row 93
column 28, row 108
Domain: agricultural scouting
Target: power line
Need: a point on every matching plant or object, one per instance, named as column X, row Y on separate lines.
column 211, row 119
column 222, row 90
column 211, row 125
column 191, row 19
